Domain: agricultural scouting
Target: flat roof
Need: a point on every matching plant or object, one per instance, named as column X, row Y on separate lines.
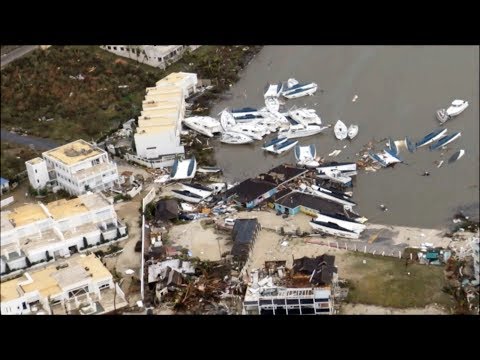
column 169, row 112
column 296, row 198
column 74, row 152
column 26, row 214
column 50, row 281
column 153, row 130
column 34, row 161
column 5, row 221
column 282, row 173
column 63, row 208
column 175, row 78
column 250, row 189
column 156, row 121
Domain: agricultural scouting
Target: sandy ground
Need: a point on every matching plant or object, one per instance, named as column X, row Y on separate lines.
column 204, row 243
column 360, row 309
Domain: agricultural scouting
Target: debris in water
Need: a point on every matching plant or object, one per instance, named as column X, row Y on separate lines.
column 383, row 207
column 344, row 146
column 456, row 156
column 440, row 164
column 335, row 153
column 355, row 98
column 426, row 173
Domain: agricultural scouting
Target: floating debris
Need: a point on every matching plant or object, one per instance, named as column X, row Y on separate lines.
column 355, row 98
column 440, row 164
column 456, row 156
column 335, row 153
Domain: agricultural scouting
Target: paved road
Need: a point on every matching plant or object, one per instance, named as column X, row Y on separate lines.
column 39, row 143
column 17, row 53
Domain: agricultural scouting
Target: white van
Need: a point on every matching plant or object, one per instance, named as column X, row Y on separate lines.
column 229, row 221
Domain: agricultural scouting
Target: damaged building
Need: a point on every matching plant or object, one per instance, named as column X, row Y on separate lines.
column 244, row 234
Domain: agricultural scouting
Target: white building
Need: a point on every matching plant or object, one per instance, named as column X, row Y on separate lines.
column 36, row 232
column 80, row 285
column 157, row 137
column 77, row 167
column 154, row 55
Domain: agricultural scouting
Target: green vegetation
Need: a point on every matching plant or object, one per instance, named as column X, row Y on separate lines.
column 13, row 159
column 384, row 281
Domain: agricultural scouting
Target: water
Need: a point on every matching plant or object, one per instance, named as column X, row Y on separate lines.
column 399, row 89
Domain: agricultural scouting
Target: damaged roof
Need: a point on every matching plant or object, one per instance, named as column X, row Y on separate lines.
column 321, row 268
column 250, row 189
column 244, row 234
column 282, row 174
column 296, row 198
column 166, row 209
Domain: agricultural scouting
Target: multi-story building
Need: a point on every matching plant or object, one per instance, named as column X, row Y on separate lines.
column 79, row 286
column 36, row 232
column 157, row 137
column 77, row 167
column 154, row 55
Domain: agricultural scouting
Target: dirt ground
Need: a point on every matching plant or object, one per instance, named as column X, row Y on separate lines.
column 360, row 309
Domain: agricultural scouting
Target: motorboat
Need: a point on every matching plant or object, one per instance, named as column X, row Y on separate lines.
column 273, row 91
column 274, row 116
column 208, row 169
column 342, row 221
column 305, row 156
column 198, row 189
column 305, row 116
column 456, row 108
column 296, row 131
column 331, row 195
column 384, row 158
column 340, row 130
column 272, row 103
column 410, row 145
column 282, row 147
column 249, row 118
column 294, row 91
column 445, row 140
column 269, row 144
column 187, row 196
column 235, row 138
column 331, row 228
column 352, row 131
column 336, row 176
column 227, row 120
column 251, row 131
column 346, row 168
column 433, row 136
column 183, row 169
column 456, row 156
column 205, row 125
column 244, row 111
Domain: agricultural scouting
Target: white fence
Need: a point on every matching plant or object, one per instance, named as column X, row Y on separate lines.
column 6, row 201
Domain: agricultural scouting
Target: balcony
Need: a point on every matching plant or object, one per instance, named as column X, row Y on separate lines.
column 96, row 170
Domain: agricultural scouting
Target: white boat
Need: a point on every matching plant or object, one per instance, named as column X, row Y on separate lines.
column 346, row 167
column 251, row 131
column 305, row 116
column 274, row 116
column 273, row 90
column 335, row 196
column 336, row 176
column 352, row 131
column 187, row 196
column 299, row 90
column 275, row 141
column 342, row 221
column 457, row 107
column 272, row 104
column 227, row 120
column 384, row 158
column 296, row 131
column 333, row 229
column 204, row 125
column 429, row 138
column 456, row 156
column 282, row 147
column 183, row 169
column 445, row 140
column 244, row 112
column 235, row 138
column 198, row 189
column 209, row 169
column 305, row 155
column 340, row 130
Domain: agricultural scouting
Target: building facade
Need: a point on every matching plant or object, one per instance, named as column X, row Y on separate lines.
column 154, row 55
column 78, row 286
column 77, row 167
column 35, row 233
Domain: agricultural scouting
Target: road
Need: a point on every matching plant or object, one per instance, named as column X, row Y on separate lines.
column 39, row 143
column 17, row 53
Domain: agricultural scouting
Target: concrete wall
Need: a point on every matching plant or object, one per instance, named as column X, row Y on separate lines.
column 37, row 174
column 152, row 146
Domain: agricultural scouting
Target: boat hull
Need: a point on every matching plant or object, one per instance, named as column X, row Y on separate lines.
column 187, row 198
column 335, row 232
column 349, row 225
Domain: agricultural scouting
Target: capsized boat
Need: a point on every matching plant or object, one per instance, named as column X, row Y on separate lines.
column 183, row 169
column 332, row 195
column 305, row 155
column 331, row 228
column 198, row 189
column 296, row 131
column 433, row 136
column 392, row 146
column 282, row 147
column 342, row 221
column 456, row 156
column 410, row 145
column 340, row 130
column 272, row 104
column 187, row 196
column 352, row 131
column 208, row 169
column 269, row 144
column 274, row 90
column 457, row 107
column 445, row 140
column 299, row 90
column 227, row 120
column 384, row 158
column 305, row 116
column 235, row 138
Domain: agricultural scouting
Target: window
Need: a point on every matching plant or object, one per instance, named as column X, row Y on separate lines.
column 114, row 48
column 104, row 286
column 38, row 181
column 109, row 47
column 122, row 49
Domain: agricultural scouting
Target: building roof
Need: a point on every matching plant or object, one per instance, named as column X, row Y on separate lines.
column 282, row 174
column 321, row 268
column 63, row 208
column 250, row 189
column 52, row 281
column 34, row 161
column 3, row 181
column 176, row 78
column 296, row 198
column 150, row 130
column 74, row 152
column 26, row 214
column 244, row 231
column 166, row 210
